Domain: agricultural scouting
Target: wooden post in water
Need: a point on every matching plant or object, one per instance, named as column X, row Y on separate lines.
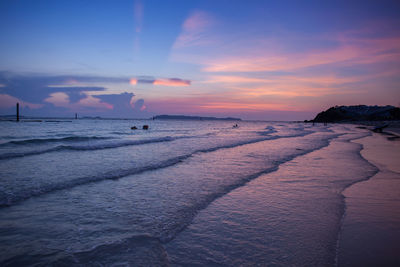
column 17, row 111
column 76, row 116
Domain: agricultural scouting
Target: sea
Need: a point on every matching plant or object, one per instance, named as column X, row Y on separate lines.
column 94, row 192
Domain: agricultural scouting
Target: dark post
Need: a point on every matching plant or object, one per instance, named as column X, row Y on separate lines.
column 76, row 116
column 17, row 111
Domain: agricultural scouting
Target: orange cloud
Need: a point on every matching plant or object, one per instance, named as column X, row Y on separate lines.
column 233, row 79
column 133, row 81
column 218, row 103
column 172, row 82
column 283, row 85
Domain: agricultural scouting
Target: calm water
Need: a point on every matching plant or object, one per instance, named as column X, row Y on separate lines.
column 95, row 192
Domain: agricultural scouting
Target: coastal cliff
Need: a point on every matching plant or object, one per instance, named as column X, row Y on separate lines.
column 358, row 113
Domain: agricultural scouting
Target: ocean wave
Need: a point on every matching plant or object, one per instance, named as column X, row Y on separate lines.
column 97, row 146
column 53, row 140
column 137, row 250
column 7, row 199
column 86, row 147
column 121, row 133
column 186, row 215
column 268, row 132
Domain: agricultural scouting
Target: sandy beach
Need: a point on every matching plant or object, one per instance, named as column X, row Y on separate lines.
column 371, row 229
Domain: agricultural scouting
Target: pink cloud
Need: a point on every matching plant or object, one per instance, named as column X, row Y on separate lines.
column 251, row 73
column 198, row 20
column 194, row 30
column 257, row 74
column 58, row 99
column 284, row 62
column 283, row 85
column 350, row 51
column 7, row 101
column 94, row 102
column 261, row 54
column 61, row 99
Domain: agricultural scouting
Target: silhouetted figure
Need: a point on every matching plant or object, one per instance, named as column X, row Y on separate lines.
column 145, row 127
column 17, row 111
column 76, row 116
column 133, row 128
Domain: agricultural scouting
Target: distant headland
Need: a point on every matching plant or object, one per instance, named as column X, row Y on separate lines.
column 358, row 113
column 183, row 117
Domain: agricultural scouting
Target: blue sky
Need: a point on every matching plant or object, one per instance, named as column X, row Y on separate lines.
column 253, row 59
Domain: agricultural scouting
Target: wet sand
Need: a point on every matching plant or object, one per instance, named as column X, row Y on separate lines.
column 371, row 229
column 392, row 131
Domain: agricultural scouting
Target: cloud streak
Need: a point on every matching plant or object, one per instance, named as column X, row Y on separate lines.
column 195, row 30
column 172, row 82
column 363, row 52
column 138, row 15
column 164, row 82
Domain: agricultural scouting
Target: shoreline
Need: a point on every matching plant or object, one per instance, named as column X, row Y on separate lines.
column 392, row 130
column 371, row 227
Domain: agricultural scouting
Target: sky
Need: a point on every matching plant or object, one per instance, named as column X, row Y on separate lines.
column 257, row 60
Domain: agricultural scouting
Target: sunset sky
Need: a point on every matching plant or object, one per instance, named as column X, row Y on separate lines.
column 268, row 60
